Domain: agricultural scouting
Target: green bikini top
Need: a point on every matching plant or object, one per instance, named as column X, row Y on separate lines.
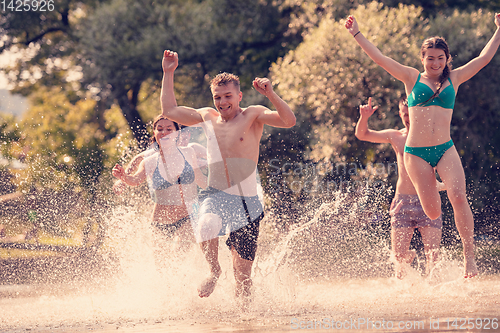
column 422, row 92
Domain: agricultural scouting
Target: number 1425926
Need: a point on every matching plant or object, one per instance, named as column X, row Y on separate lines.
column 27, row 5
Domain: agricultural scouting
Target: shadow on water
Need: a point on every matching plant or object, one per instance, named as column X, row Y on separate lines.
column 332, row 267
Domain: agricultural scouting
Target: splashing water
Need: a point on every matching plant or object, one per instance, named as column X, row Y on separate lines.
column 332, row 269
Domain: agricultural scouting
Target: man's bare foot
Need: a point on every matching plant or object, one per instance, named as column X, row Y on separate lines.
column 434, row 274
column 410, row 256
column 431, row 261
column 470, row 268
column 208, row 285
column 400, row 270
column 243, row 288
column 243, row 303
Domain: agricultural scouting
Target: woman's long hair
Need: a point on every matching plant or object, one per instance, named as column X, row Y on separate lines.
column 438, row 43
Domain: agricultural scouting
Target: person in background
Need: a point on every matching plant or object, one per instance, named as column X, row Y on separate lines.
column 406, row 211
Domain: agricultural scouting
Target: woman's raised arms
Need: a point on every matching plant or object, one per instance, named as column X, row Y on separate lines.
column 471, row 68
column 407, row 75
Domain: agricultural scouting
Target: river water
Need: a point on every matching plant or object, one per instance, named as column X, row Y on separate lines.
column 320, row 276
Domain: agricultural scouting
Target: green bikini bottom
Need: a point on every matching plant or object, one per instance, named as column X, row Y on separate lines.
column 431, row 154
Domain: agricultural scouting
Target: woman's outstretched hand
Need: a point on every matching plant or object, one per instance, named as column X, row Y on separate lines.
column 118, row 171
column 351, row 25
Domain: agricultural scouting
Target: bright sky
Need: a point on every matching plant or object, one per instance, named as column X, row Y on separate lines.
column 17, row 104
column 5, row 58
column 3, row 81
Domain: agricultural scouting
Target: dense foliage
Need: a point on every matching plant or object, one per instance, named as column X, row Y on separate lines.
column 92, row 71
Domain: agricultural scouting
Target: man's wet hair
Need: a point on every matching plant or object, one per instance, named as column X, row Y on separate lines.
column 223, row 79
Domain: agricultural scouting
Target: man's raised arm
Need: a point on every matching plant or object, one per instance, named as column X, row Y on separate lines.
column 180, row 114
column 284, row 116
column 362, row 131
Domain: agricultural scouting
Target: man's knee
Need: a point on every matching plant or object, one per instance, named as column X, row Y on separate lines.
column 209, row 226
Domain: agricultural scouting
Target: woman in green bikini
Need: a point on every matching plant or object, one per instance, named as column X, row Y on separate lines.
column 431, row 98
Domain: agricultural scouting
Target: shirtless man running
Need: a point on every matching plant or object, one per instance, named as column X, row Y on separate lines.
column 233, row 139
column 406, row 211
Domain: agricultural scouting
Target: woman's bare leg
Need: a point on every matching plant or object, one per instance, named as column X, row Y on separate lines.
column 452, row 173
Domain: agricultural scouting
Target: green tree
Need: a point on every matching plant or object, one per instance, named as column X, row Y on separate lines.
column 9, row 134
column 46, row 41
column 324, row 80
column 306, row 15
column 476, row 118
column 120, row 60
column 112, row 48
column 67, row 148
column 327, row 77
column 439, row 7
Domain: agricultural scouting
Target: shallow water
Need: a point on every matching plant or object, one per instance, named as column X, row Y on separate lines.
column 298, row 285
column 276, row 306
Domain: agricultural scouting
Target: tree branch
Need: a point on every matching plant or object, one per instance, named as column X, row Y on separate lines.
column 41, row 35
